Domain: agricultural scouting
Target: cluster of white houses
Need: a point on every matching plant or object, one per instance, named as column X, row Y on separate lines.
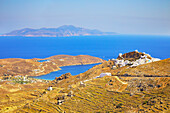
column 143, row 60
column 104, row 74
column 146, row 58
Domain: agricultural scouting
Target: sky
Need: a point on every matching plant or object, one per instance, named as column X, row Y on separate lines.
column 139, row 17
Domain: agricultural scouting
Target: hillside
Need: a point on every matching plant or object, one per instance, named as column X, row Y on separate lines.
column 62, row 31
column 158, row 68
column 121, row 92
column 106, row 94
column 35, row 67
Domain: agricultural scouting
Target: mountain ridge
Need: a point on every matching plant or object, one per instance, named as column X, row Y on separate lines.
column 62, row 31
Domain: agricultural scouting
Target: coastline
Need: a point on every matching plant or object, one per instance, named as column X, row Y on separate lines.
column 36, row 77
column 31, row 67
column 65, row 66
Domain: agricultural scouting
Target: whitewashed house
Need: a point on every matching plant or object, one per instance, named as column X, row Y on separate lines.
column 121, row 63
column 105, row 74
column 114, row 67
column 82, row 84
column 127, row 62
column 120, row 54
column 137, row 51
column 134, row 65
column 155, row 59
column 50, row 88
column 24, row 78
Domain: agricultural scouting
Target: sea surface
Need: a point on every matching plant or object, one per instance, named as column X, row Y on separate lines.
column 105, row 47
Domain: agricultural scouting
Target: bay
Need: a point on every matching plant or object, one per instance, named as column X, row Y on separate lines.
column 105, row 47
column 74, row 70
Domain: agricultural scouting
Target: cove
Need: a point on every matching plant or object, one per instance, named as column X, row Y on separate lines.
column 42, row 60
column 74, row 70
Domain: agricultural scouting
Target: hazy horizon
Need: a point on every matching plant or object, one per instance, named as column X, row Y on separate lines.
column 140, row 17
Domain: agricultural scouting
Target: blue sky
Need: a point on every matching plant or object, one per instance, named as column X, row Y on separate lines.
column 123, row 16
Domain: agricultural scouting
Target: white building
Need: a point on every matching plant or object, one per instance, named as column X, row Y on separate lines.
column 120, row 54
column 24, row 78
column 144, row 56
column 50, row 88
column 104, row 74
column 114, row 67
column 120, row 63
column 82, row 84
column 127, row 62
column 137, row 51
column 61, row 59
column 155, row 59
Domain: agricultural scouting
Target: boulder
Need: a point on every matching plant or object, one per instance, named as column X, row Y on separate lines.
column 63, row 76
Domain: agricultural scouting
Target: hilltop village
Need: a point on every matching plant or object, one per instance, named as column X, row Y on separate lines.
column 140, row 58
column 133, row 82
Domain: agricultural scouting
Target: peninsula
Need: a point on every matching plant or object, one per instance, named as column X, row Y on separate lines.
column 62, row 31
column 34, row 67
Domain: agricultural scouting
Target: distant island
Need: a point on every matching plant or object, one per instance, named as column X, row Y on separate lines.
column 62, row 31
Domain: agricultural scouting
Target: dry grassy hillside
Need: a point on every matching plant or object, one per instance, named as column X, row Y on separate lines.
column 85, row 93
column 31, row 67
column 107, row 94
column 16, row 66
column 158, row 68
column 65, row 60
column 110, row 95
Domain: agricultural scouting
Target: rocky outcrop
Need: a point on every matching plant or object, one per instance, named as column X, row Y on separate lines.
column 62, row 77
column 133, row 55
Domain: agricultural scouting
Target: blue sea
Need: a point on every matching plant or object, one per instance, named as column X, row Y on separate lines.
column 74, row 70
column 105, row 47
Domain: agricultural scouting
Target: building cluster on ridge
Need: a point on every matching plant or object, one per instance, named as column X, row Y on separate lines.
column 143, row 59
column 131, row 59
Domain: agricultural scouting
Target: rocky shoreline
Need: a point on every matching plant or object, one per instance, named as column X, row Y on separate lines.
column 35, row 67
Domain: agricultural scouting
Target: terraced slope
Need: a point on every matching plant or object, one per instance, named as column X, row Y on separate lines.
column 108, row 94
column 103, row 95
column 14, row 96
